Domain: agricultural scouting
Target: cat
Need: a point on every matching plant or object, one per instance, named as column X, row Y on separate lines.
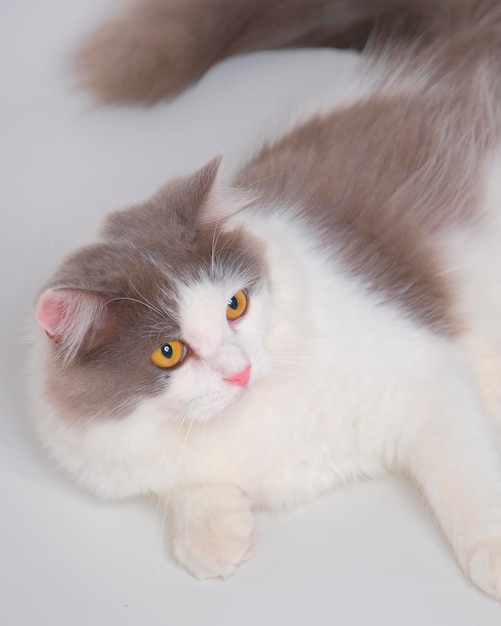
column 333, row 314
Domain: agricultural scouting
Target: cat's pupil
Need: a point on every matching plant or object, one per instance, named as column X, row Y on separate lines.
column 233, row 303
column 167, row 351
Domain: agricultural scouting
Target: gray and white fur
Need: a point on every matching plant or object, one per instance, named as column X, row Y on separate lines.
column 335, row 314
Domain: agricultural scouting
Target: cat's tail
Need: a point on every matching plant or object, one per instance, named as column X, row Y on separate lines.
column 156, row 48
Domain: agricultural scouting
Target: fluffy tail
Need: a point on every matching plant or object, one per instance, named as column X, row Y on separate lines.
column 156, row 48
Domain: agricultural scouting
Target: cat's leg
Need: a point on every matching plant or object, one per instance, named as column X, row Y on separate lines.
column 453, row 455
column 212, row 529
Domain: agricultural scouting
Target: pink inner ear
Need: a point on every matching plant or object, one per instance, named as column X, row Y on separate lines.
column 50, row 312
column 67, row 314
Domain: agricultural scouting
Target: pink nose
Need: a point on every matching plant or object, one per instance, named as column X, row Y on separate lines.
column 242, row 378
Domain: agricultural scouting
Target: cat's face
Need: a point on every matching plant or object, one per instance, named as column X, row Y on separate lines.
column 169, row 305
column 223, row 328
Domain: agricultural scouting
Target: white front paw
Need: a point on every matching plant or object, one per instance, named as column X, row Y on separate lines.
column 213, row 540
column 484, row 567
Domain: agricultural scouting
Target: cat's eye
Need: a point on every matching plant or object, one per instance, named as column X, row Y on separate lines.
column 169, row 354
column 237, row 306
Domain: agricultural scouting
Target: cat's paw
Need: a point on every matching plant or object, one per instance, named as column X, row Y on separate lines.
column 217, row 535
column 484, row 566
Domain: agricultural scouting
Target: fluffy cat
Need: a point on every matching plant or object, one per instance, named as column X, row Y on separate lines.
column 334, row 314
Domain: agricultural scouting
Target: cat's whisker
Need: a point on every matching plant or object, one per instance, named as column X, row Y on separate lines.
column 345, row 368
column 178, row 423
column 274, row 370
column 188, row 507
column 165, row 501
column 161, row 330
column 180, row 420
column 162, row 507
column 305, row 358
column 117, row 298
column 120, row 407
column 146, row 301
column 313, row 340
column 216, row 235
column 102, row 413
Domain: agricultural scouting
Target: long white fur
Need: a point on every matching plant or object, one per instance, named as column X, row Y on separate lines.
column 343, row 385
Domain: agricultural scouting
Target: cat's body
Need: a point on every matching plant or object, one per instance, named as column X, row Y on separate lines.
column 339, row 311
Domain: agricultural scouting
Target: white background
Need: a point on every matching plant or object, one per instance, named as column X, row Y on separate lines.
column 367, row 555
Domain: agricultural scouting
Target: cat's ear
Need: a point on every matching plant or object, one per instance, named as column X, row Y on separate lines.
column 214, row 204
column 73, row 318
column 200, row 194
column 205, row 201
column 204, row 180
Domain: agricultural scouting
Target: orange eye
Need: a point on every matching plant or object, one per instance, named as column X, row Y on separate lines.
column 168, row 355
column 237, row 306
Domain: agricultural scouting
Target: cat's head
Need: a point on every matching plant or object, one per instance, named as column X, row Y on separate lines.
column 171, row 304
